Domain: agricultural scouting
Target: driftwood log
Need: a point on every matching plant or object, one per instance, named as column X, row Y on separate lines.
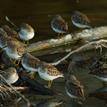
column 68, row 42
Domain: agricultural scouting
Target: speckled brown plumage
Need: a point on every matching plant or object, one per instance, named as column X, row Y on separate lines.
column 99, row 69
column 30, row 60
column 51, row 70
column 26, row 26
column 59, row 23
column 10, row 32
column 80, row 20
column 74, row 88
column 16, row 46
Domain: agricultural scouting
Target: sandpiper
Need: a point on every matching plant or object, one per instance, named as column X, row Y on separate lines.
column 15, row 49
column 10, row 75
column 101, row 74
column 26, row 32
column 59, row 25
column 100, row 93
column 10, row 32
column 49, row 103
column 3, row 38
column 48, row 72
column 74, row 89
column 99, row 69
column 29, row 62
column 80, row 20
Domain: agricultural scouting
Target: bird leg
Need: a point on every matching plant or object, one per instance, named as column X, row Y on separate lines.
column 15, row 62
column 26, row 42
column 60, row 35
column 50, row 83
column 32, row 75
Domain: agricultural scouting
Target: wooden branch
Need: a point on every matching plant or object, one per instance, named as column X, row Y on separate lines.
column 67, row 42
column 21, row 89
column 94, row 44
column 17, row 92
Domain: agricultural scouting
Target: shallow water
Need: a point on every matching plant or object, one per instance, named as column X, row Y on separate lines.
column 38, row 13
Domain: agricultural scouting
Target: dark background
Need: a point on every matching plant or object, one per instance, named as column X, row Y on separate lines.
column 39, row 13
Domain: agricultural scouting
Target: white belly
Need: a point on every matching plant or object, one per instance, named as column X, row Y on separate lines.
column 13, row 78
column 26, row 35
column 101, row 78
column 57, row 30
column 11, row 54
column 28, row 67
column 80, row 25
column 46, row 76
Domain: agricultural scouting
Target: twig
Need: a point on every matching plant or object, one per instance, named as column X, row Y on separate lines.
column 18, row 88
column 69, row 41
column 8, row 20
column 94, row 44
column 22, row 96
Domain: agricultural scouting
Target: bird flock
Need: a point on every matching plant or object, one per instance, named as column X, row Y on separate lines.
column 14, row 41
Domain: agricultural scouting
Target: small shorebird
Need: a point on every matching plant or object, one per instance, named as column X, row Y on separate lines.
column 26, row 32
column 29, row 62
column 3, row 38
column 101, row 74
column 10, row 32
column 100, row 93
column 15, row 49
column 48, row 72
column 49, row 103
column 80, row 20
column 74, row 89
column 59, row 25
column 5, row 59
column 10, row 75
column 99, row 69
